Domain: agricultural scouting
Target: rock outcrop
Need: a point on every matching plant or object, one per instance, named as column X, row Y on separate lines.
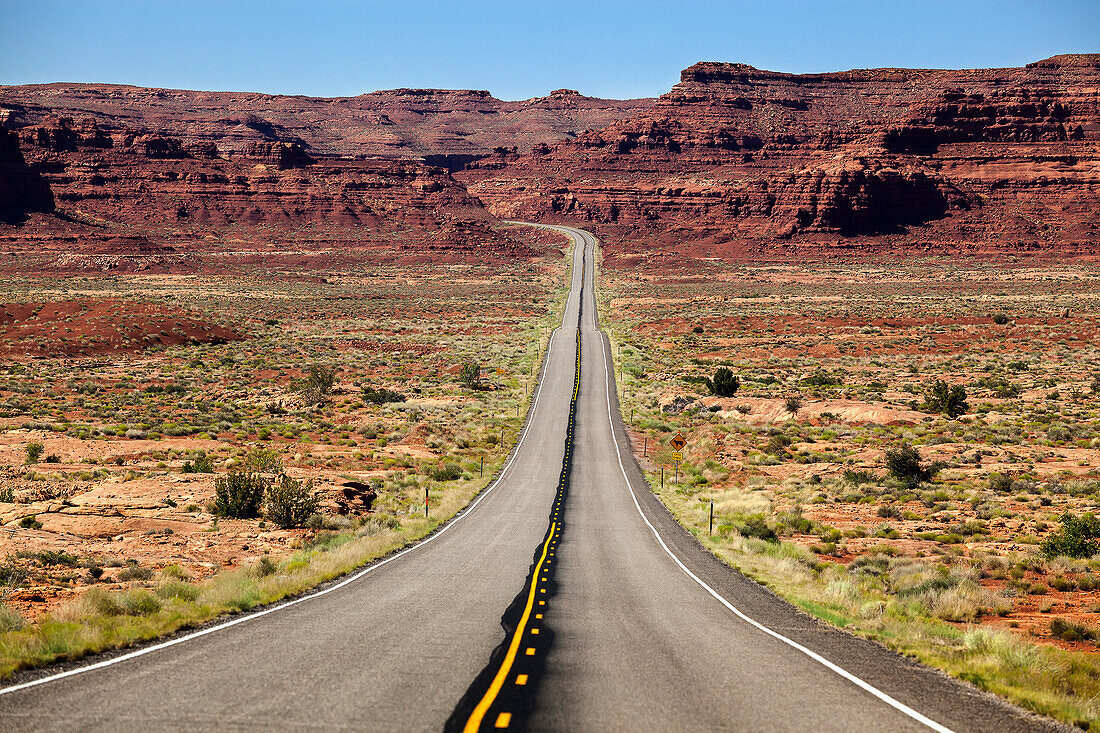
column 999, row 157
column 456, row 125
column 22, row 189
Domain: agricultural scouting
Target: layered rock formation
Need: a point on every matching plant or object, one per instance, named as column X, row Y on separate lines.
column 1005, row 157
column 22, row 190
column 153, row 183
column 447, row 126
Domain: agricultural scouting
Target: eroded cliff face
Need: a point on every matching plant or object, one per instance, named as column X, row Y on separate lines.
column 1001, row 157
column 22, row 190
column 170, row 166
column 154, row 184
column 449, row 126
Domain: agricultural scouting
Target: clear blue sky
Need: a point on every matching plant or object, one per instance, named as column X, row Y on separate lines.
column 514, row 49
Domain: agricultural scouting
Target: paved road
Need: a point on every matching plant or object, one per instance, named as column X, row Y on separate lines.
column 639, row 627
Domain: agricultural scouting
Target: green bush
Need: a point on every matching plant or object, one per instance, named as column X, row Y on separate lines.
column 757, row 526
column 289, row 503
column 30, row 522
column 238, row 494
column 381, row 396
column 133, row 571
column 1065, row 630
column 1075, row 538
column 445, row 472
column 1000, row 319
column 178, row 590
column 778, row 443
column 202, row 463
column 137, row 602
column 822, row 378
column 469, row 375
column 725, row 383
column 10, row 619
column 948, row 399
column 904, row 464
column 34, row 451
column 318, row 384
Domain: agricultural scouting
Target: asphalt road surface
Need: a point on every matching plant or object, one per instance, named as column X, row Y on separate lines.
column 564, row 598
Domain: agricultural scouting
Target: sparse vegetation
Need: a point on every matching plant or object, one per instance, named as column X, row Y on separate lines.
column 238, row 494
column 319, row 382
column 944, row 398
column 289, row 503
column 724, row 383
column 469, row 375
column 954, row 553
column 34, row 451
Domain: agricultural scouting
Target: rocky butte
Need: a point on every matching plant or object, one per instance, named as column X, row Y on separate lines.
column 103, row 165
column 745, row 160
column 734, row 161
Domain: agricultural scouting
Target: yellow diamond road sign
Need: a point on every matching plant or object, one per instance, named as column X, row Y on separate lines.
column 678, row 442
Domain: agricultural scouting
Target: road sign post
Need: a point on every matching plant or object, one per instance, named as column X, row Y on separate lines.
column 677, row 444
column 711, row 517
column 426, row 501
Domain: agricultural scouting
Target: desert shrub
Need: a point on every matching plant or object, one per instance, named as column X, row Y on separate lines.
column 859, row 477
column 137, row 602
column 889, row 511
column 1000, row 319
column 778, row 443
column 7, row 494
column 1063, row 584
column 202, row 463
column 30, row 522
column 1000, row 483
column 793, row 404
column 1066, row 630
column 381, row 396
column 10, row 619
column 1000, row 386
column 265, row 566
column 1075, row 538
column 264, row 460
column 289, row 503
column 793, row 522
column 445, row 472
column 944, row 398
column 318, row 384
column 238, row 494
column 756, row 526
column 904, row 463
column 49, row 557
column 133, row 571
column 178, row 590
column 822, row 378
column 724, row 383
column 34, row 451
column 469, row 375
column 134, row 602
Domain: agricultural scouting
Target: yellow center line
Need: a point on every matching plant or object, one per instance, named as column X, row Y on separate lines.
column 474, row 723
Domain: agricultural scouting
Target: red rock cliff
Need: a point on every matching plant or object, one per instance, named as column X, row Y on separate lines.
column 732, row 152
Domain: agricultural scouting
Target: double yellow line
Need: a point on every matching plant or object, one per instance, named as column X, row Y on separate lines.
column 477, row 717
column 474, row 723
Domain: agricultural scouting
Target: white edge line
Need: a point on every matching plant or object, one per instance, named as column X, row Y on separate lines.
column 900, row 706
column 465, row 512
